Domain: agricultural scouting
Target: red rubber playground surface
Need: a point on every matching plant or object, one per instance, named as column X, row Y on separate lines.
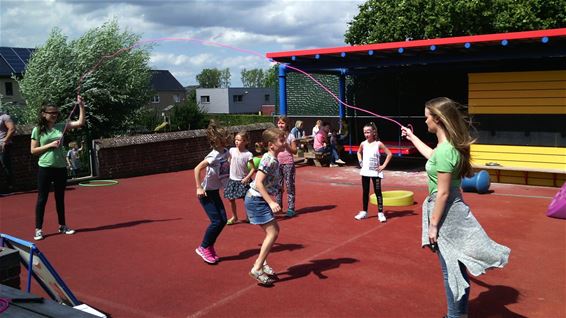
column 133, row 253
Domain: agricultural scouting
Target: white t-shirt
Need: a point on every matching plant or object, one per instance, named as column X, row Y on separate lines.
column 270, row 166
column 370, row 159
column 315, row 130
column 239, row 163
column 217, row 171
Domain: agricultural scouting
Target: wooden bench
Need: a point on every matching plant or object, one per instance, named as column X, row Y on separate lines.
column 544, row 166
column 316, row 156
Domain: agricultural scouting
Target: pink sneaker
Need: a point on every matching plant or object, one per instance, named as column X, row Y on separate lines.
column 206, row 254
column 213, row 251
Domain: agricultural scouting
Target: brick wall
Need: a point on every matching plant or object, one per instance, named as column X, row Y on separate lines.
column 24, row 165
column 128, row 156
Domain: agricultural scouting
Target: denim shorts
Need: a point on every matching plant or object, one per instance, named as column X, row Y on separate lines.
column 258, row 210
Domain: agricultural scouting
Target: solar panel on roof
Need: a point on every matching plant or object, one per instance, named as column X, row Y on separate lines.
column 23, row 53
column 14, row 61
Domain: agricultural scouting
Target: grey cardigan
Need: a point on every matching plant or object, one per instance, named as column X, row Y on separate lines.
column 461, row 238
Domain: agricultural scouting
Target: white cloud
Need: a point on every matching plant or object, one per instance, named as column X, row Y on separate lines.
column 259, row 26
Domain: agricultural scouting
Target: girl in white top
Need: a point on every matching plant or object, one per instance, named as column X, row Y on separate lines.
column 240, row 176
column 371, row 168
column 217, row 170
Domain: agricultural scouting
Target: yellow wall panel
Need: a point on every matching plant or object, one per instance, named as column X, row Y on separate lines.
column 523, row 110
column 530, row 93
column 513, row 86
column 559, row 75
column 517, row 101
column 521, row 149
column 541, row 92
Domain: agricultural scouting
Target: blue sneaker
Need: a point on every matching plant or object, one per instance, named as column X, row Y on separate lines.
column 290, row 213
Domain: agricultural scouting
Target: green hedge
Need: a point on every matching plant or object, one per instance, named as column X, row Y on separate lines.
column 236, row 120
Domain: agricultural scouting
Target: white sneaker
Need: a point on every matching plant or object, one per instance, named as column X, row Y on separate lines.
column 340, row 162
column 333, row 165
column 361, row 215
column 38, row 235
column 381, row 217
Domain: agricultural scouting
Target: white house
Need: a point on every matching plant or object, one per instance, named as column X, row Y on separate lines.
column 234, row 100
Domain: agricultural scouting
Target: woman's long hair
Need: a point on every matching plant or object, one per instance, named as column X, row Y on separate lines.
column 451, row 119
column 41, row 122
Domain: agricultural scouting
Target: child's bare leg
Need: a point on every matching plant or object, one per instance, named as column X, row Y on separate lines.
column 234, row 217
column 271, row 232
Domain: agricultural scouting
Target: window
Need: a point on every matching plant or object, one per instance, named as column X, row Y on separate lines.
column 205, row 99
column 176, row 98
column 155, row 99
column 266, row 97
column 238, row 98
column 9, row 89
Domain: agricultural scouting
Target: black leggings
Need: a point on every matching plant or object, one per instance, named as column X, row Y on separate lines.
column 376, row 190
column 44, row 178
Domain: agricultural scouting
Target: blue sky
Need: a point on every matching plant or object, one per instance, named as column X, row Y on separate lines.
column 263, row 26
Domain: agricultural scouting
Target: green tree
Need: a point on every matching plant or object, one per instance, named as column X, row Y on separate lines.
column 399, row 20
column 225, row 78
column 188, row 115
column 214, row 78
column 113, row 90
column 209, row 78
column 271, row 77
column 253, row 78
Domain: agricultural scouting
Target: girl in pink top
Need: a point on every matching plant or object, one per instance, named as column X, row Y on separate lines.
column 287, row 167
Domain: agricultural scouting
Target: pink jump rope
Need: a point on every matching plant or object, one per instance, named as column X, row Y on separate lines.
column 204, row 42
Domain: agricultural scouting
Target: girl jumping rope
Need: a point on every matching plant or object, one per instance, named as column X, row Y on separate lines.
column 369, row 158
column 259, row 204
column 287, row 168
column 240, row 177
column 208, row 191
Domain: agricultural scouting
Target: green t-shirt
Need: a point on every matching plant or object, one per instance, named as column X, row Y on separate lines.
column 54, row 157
column 444, row 159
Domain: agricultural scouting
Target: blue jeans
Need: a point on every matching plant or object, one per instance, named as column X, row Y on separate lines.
column 214, row 208
column 460, row 307
column 331, row 149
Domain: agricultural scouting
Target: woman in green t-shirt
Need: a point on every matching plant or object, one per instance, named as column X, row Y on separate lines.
column 449, row 226
column 46, row 143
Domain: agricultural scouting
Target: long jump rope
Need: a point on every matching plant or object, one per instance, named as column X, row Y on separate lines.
column 205, row 42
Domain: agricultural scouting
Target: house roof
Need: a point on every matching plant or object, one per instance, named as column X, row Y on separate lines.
column 163, row 80
column 512, row 45
column 13, row 60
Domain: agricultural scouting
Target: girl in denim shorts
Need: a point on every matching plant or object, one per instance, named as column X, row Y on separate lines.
column 260, row 206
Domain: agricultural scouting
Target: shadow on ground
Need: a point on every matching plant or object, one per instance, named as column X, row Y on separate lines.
column 317, row 267
column 493, row 301
column 122, row 225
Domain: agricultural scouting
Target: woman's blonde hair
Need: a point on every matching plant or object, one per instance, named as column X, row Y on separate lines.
column 216, row 134
column 298, row 124
column 447, row 112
